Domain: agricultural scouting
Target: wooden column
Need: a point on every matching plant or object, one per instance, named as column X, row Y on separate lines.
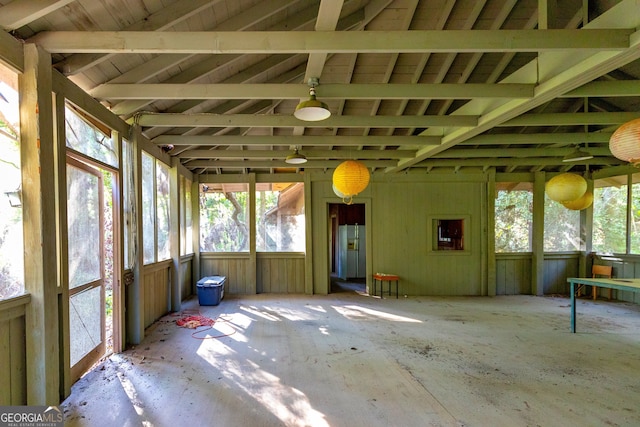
column 63, row 246
column 174, row 233
column 586, row 234
column 537, row 244
column 252, row 274
column 39, row 219
column 195, row 230
column 490, row 234
column 308, row 237
column 135, row 296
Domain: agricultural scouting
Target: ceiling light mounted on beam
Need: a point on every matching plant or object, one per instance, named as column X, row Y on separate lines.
column 312, row 110
column 577, row 155
column 296, row 158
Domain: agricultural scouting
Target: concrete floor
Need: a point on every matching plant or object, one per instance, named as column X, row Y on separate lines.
column 351, row 360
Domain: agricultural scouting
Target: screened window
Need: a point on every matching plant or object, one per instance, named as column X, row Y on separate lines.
column 610, row 215
column 155, row 210
column 148, row 208
column 635, row 214
column 162, row 211
column 514, row 219
column 128, row 201
column 11, row 240
column 186, row 234
column 280, row 217
column 86, row 137
column 224, row 213
column 561, row 227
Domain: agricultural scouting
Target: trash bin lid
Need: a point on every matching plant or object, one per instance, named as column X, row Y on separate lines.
column 211, row 281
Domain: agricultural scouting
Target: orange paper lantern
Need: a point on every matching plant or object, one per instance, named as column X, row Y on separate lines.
column 581, row 203
column 625, row 142
column 566, row 187
column 350, row 178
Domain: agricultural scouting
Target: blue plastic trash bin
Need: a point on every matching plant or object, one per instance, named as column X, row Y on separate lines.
column 211, row 290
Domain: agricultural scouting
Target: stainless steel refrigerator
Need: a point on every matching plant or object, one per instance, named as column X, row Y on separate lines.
column 351, row 252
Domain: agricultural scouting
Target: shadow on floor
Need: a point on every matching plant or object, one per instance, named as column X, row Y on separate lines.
column 357, row 286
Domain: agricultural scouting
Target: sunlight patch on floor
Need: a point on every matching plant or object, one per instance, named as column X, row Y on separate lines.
column 288, row 404
column 357, row 312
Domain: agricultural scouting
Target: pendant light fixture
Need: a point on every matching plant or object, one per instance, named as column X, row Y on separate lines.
column 350, row 178
column 624, row 143
column 295, row 158
column 312, row 110
column 577, row 155
column 566, row 187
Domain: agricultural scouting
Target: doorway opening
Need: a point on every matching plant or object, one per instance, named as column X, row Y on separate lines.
column 92, row 246
column 347, row 248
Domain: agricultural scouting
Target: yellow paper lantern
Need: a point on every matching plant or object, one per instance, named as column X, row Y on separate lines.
column 625, row 142
column 350, row 178
column 566, row 187
column 581, row 203
column 338, row 193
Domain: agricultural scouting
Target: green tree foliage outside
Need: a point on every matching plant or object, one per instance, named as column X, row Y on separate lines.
column 223, row 222
column 513, row 221
column 610, row 219
column 11, row 239
column 561, row 227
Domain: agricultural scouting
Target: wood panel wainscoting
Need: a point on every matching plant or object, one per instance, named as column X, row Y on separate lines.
column 280, row 273
column 13, row 375
column 157, row 292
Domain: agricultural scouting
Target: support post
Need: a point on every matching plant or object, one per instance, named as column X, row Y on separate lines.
column 175, row 197
column 537, row 245
column 39, row 170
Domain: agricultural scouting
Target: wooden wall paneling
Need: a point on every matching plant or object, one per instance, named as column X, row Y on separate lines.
column 18, row 368
column 524, row 287
column 186, row 278
column 513, row 274
column 5, row 360
column 277, row 280
column 13, row 376
column 259, row 278
column 265, row 272
column 501, row 284
column 157, row 301
column 511, row 277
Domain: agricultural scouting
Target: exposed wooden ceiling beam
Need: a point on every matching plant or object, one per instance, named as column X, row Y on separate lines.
column 538, row 138
column 11, row 52
column 310, row 154
column 461, row 153
column 324, row 92
column 274, row 120
column 260, row 42
column 505, row 161
column 312, row 164
column 161, row 20
column 19, row 13
column 213, row 140
column 558, row 73
column 353, row 91
column 571, row 119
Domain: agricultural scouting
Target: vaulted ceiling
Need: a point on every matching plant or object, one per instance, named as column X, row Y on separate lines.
column 418, row 86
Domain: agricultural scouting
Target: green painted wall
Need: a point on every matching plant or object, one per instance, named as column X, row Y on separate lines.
column 401, row 210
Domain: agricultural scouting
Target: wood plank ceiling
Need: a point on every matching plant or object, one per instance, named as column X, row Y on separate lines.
column 419, row 86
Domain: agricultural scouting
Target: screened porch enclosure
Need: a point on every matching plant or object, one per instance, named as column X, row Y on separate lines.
column 137, row 159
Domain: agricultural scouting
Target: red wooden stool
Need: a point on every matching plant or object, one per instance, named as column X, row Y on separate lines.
column 383, row 277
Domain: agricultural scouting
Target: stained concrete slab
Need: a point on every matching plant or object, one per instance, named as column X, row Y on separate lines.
column 352, row 360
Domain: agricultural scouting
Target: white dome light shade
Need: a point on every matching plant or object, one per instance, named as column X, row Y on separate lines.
column 312, row 110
